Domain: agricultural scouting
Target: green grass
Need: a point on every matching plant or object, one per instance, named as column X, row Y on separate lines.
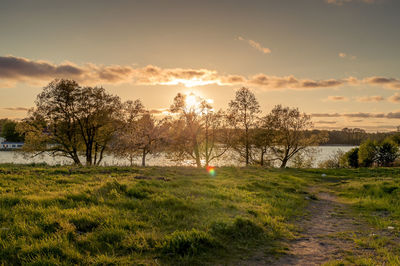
column 182, row 216
column 67, row 215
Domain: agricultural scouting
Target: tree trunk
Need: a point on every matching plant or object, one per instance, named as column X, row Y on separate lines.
column 284, row 162
column 131, row 159
column 144, row 157
column 247, row 146
column 262, row 158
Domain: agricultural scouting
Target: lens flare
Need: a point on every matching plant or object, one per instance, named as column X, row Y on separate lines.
column 211, row 170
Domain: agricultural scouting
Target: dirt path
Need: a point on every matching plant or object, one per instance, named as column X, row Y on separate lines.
column 323, row 235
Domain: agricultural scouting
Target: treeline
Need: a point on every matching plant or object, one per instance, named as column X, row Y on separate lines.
column 354, row 136
column 87, row 122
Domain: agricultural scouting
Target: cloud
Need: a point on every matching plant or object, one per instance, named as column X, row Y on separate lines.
column 153, row 75
column 341, row 2
column 395, row 98
column 325, row 122
column 18, row 69
column 391, row 83
column 15, row 70
column 16, row 109
column 344, row 55
column 291, row 82
column 391, row 115
column 394, row 115
column 256, row 45
column 337, row 98
column 326, row 115
column 375, row 98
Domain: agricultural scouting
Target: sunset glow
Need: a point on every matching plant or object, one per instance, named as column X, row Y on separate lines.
column 336, row 78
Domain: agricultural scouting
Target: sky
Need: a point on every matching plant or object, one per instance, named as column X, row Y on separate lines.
column 337, row 60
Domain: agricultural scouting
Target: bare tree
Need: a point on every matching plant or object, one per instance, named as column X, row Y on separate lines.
column 290, row 137
column 216, row 135
column 186, row 130
column 243, row 112
column 124, row 143
column 263, row 138
column 199, row 133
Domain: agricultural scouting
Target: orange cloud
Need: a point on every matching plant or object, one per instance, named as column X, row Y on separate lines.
column 390, row 115
column 337, row 98
column 394, row 98
column 15, row 70
column 375, row 98
column 256, row 45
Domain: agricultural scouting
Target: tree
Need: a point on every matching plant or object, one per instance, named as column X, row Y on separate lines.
column 9, row 132
column 51, row 126
column 98, row 115
column 152, row 134
column 367, row 153
column 186, row 130
column 199, row 133
column 216, row 135
column 290, row 127
column 142, row 134
column 70, row 120
column 243, row 112
column 387, row 152
column 124, row 142
column 263, row 138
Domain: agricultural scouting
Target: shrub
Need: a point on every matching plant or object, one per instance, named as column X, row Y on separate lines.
column 350, row 158
column 387, row 153
column 367, row 153
column 382, row 154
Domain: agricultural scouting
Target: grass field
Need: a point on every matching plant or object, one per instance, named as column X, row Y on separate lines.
column 143, row 215
column 167, row 215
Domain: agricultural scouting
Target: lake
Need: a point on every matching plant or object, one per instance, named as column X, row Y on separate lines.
column 322, row 153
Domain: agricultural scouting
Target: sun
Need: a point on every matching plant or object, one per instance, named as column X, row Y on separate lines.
column 193, row 102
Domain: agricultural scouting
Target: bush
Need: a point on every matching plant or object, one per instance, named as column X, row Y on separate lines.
column 381, row 154
column 387, row 153
column 350, row 158
column 367, row 153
